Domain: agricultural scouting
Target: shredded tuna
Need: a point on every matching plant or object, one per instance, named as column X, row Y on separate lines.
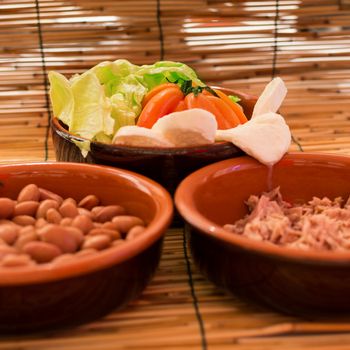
column 321, row 223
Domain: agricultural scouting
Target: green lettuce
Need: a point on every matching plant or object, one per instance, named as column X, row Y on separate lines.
column 234, row 98
column 92, row 109
column 165, row 71
column 62, row 98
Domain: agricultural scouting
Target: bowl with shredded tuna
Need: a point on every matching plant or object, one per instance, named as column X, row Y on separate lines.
column 275, row 236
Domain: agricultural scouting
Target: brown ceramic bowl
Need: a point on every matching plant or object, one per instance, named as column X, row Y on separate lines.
column 290, row 280
column 167, row 166
column 60, row 295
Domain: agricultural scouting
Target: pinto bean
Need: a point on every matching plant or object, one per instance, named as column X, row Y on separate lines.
column 26, row 208
column 7, row 222
column 6, row 250
column 16, row 260
column 113, row 234
column 108, row 212
column 53, row 216
column 118, row 242
column 44, row 206
column 46, row 194
column 89, row 202
column 97, row 242
column 41, row 252
column 83, row 211
column 59, row 236
column 25, row 238
column 29, row 193
column 70, row 199
column 7, row 207
column 24, row 220
column 41, row 222
column 68, row 209
column 8, row 233
column 96, row 210
column 77, row 233
column 125, row 222
column 109, row 225
column 85, row 252
column 83, row 222
column 135, row 232
column 26, row 229
column 66, row 221
column 64, row 258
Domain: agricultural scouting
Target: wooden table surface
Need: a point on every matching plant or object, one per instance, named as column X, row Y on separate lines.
column 235, row 44
column 180, row 309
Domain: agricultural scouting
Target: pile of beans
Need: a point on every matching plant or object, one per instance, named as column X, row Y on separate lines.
column 40, row 227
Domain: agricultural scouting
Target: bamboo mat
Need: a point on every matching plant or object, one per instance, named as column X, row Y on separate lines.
column 237, row 44
column 181, row 310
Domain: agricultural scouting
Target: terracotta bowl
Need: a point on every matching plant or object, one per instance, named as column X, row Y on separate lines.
column 60, row 295
column 167, row 166
column 289, row 280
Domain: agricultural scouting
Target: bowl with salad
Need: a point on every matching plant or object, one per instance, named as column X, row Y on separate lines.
column 158, row 120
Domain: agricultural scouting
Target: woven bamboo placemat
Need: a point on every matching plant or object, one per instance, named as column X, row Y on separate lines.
column 237, row 44
column 181, row 310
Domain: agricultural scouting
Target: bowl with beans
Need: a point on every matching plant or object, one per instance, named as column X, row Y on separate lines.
column 76, row 241
column 275, row 237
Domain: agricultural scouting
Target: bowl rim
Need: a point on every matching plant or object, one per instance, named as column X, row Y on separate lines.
column 63, row 132
column 67, row 135
column 103, row 259
column 185, row 205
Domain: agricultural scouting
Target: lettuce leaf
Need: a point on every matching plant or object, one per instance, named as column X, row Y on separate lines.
column 92, row 110
column 62, row 98
column 234, row 98
column 165, row 71
column 111, row 74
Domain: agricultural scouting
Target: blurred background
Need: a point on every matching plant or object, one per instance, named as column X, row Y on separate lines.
column 237, row 44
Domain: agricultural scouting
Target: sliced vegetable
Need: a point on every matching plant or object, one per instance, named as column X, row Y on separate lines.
column 228, row 113
column 164, row 102
column 231, row 119
column 201, row 101
column 155, row 91
column 133, row 135
column 191, row 127
column 181, row 106
column 237, row 109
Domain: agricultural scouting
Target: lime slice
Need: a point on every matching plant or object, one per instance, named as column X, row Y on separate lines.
column 61, row 96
